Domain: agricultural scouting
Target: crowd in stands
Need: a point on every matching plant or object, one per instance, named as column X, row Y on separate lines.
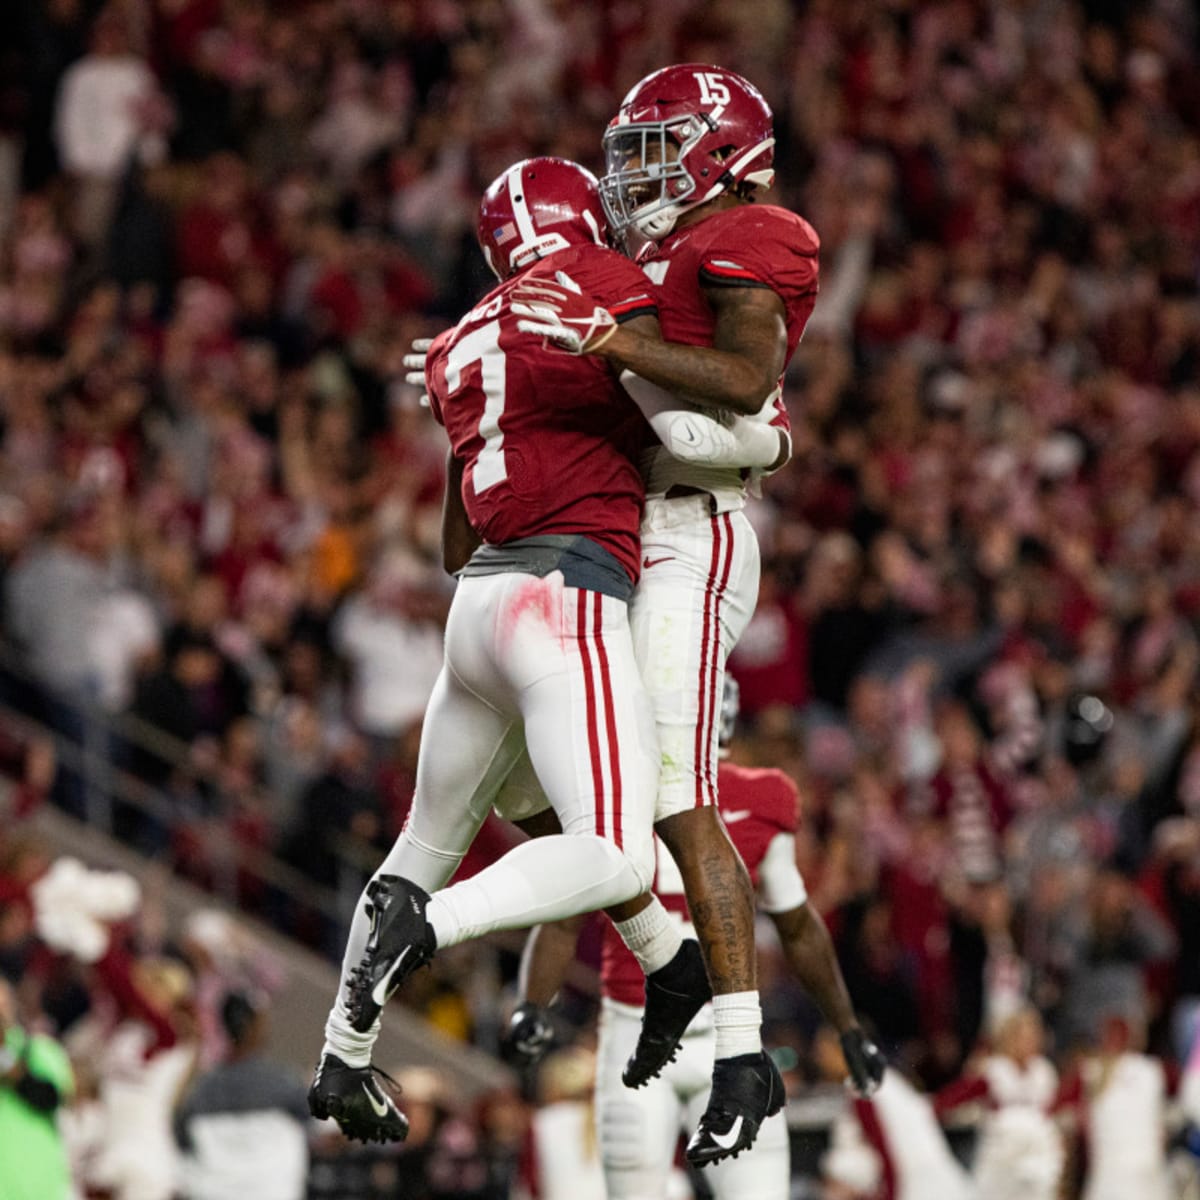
column 223, row 221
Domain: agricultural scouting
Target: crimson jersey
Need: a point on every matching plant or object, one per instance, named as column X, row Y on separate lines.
column 756, row 804
column 752, row 245
column 546, row 438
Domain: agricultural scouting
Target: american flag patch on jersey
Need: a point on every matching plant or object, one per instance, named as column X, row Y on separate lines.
column 505, row 233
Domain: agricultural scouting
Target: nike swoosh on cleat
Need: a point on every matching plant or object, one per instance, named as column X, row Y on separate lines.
column 381, row 1107
column 727, row 1141
column 380, row 992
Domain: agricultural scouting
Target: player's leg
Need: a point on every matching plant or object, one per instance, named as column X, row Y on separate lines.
column 590, row 735
column 467, row 748
column 647, row 929
column 637, row 1130
column 563, row 656
column 690, row 609
column 468, row 744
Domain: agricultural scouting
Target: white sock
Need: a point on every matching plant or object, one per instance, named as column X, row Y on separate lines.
column 652, row 937
column 425, row 866
column 353, row 1048
column 738, row 1019
column 545, row 879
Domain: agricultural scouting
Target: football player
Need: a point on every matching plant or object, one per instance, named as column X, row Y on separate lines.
column 541, row 523
column 638, row 1130
column 687, row 153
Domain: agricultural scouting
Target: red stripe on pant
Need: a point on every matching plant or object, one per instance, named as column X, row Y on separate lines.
column 610, row 721
column 593, row 728
column 701, row 758
column 714, row 698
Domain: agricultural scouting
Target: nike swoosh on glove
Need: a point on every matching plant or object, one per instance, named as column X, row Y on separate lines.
column 561, row 312
column 864, row 1061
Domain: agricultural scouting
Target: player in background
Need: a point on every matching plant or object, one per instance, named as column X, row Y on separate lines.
column 639, row 1129
column 541, row 521
column 687, row 153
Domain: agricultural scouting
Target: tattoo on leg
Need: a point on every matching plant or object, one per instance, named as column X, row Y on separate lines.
column 723, row 914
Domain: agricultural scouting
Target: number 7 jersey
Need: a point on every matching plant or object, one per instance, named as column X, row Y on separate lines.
column 548, row 440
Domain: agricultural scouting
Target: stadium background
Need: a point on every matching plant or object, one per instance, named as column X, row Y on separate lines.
column 221, row 224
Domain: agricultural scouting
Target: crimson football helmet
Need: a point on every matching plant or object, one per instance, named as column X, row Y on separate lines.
column 537, row 206
column 682, row 136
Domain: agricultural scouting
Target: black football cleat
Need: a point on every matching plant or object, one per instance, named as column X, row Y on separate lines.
column 354, row 1098
column 745, row 1091
column 674, row 995
column 401, row 941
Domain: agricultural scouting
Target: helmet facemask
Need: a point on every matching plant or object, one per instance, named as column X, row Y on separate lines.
column 651, row 195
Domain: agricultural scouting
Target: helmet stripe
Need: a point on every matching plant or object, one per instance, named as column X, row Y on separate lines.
column 516, row 192
column 747, row 156
column 593, row 225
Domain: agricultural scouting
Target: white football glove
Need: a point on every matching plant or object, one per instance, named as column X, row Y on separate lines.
column 561, row 312
column 414, row 364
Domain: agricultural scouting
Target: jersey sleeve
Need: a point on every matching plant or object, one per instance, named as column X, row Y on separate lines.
column 781, row 802
column 763, row 247
column 433, row 377
column 780, row 885
column 620, row 285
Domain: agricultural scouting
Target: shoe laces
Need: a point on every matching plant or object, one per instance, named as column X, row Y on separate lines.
column 393, row 1089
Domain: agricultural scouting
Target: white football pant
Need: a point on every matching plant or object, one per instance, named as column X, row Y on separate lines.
column 530, row 663
column 696, row 596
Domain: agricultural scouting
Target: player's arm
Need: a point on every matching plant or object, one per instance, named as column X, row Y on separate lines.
column 809, row 952
column 741, row 368
column 738, row 372
column 459, row 540
column 549, row 952
column 694, row 436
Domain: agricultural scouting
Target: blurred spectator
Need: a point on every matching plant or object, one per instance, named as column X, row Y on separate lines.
column 140, row 1039
column 226, row 958
column 1019, row 1153
column 879, row 975
column 390, row 637
column 105, row 105
column 243, row 1126
column 1117, row 1096
column 53, row 594
column 35, row 1080
column 341, row 803
column 1114, row 939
